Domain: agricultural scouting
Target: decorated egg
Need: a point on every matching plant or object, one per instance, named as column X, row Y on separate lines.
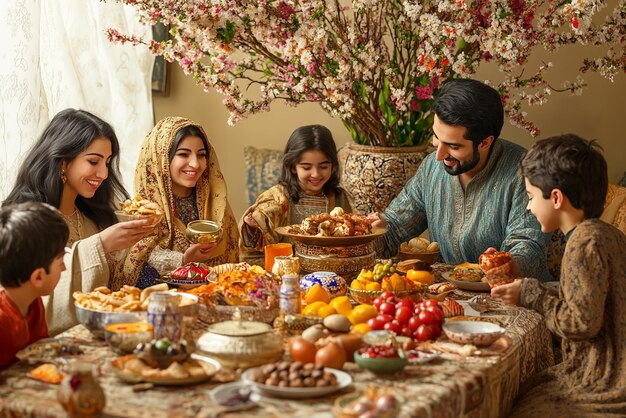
column 332, row 282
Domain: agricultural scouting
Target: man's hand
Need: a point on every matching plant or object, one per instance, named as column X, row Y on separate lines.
column 509, row 293
column 376, row 220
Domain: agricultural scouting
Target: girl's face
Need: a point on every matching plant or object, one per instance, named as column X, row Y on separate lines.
column 188, row 164
column 542, row 208
column 86, row 172
column 313, row 170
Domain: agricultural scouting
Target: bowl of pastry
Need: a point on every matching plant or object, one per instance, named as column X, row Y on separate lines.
column 139, row 208
column 419, row 248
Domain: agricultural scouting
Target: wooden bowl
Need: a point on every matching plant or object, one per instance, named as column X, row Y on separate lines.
column 427, row 257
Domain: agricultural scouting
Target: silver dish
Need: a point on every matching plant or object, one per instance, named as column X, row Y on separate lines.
column 95, row 321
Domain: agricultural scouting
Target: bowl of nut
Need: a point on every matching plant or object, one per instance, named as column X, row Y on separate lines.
column 296, row 380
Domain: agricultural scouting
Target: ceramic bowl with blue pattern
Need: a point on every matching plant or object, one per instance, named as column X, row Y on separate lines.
column 332, row 282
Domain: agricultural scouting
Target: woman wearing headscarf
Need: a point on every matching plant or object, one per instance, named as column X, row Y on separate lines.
column 178, row 169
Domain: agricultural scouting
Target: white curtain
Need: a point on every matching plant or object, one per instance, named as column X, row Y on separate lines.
column 55, row 55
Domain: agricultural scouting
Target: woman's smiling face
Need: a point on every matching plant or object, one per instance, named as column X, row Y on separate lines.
column 86, row 172
column 188, row 164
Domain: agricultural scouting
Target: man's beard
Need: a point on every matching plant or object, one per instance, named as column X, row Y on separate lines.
column 459, row 168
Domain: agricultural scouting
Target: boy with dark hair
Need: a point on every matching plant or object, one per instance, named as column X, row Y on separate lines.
column 566, row 181
column 32, row 242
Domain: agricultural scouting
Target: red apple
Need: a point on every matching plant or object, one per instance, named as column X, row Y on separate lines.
column 403, row 314
column 375, row 324
column 393, row 326
column 424, row 332
column 404, row 302
column 426, row 317
column 387, row 308
column 414, row 323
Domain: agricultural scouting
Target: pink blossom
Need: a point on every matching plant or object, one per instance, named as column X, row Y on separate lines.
column 423, row 92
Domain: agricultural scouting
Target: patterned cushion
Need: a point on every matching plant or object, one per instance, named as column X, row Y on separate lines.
column 262, row 170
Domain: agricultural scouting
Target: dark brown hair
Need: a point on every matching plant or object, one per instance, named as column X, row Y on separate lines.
column 309, row 138
column 571, row 164
column 32, row 235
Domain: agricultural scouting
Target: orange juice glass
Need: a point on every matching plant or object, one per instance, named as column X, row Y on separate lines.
column 273, row 250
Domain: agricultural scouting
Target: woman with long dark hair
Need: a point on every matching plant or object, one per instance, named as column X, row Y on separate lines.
column 74, row 167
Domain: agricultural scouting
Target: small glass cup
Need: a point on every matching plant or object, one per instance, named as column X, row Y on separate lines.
column 274, row 250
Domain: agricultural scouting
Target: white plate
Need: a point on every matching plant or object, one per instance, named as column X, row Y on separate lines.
column 223, row 392
column 343, row 380
column 421, row 356
column 461, row 284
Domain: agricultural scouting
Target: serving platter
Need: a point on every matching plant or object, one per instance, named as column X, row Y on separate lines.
column 343, row 380
column 461, row 284
column 182, row 283
column 209, row 366
column 54, row 350
column 331, row 241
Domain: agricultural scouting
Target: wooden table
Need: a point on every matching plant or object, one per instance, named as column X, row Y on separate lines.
column 451, row 386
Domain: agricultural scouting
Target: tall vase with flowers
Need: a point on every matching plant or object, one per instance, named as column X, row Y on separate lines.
column 376, row 64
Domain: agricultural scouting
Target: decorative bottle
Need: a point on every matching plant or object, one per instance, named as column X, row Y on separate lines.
column 80, row 393
column 165, row 316
column 290, row 294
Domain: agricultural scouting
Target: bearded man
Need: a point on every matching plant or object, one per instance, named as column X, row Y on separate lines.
column 468, row 193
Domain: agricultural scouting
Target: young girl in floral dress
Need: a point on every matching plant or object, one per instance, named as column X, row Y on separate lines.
column 178, row 169
column 566, row 181
column 308, row 185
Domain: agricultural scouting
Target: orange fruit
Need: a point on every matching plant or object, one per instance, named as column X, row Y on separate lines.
column 341, row 304
column 361, row 313
column 361, row 329
column 317, row 293
column 372, row 286
column 324, row 311
column 424, row 277
column 313, row 308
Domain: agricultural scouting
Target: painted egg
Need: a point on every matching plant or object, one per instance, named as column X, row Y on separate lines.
column 332, row 282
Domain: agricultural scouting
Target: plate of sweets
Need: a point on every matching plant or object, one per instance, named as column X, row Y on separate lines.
column 139, row 208
column 188, row 276
column 336, row 228
column 303, row 381
column 162, row 362
column 467, row 276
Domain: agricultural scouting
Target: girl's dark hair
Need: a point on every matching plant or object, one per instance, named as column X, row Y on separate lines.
column 308, row 138
column 473, row 105
column 20, row 252
column 571, row 164
column 191, row 130
column 69, row 133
